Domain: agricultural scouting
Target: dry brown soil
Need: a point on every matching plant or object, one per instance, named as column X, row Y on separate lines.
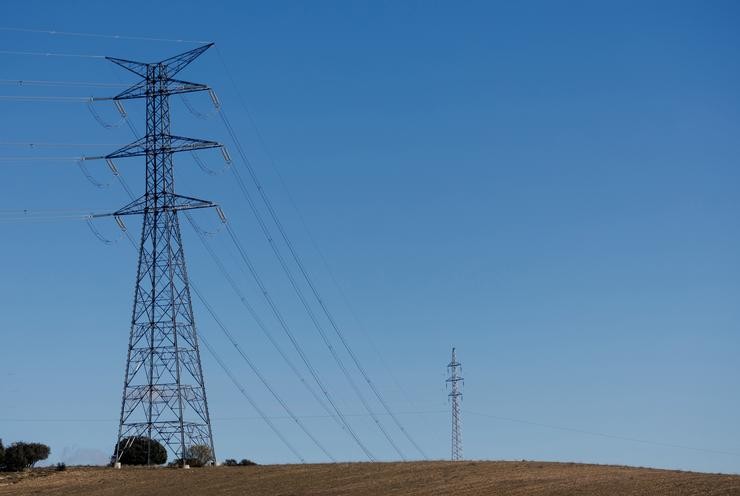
column 376, row 479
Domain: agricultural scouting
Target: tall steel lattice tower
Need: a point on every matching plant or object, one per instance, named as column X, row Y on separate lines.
column 164, row 395
column 454, row 379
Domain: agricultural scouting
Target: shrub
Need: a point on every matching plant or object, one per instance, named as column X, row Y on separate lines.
column 199, row 455
column 20, row 456
column 230, row 462
column 2, row 454
column 246, row 463
column 140, row 450
column 61, row 467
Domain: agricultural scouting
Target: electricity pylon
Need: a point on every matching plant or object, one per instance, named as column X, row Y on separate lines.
column 454, row 379
column 164, row 394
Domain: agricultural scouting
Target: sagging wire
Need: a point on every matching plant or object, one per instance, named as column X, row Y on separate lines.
column 86, row 172
column 259, row 375
column 257, row 319
column 99, row 235
column 99, row 118
column 204, row 232
column 198, row 114
column 55, row 145
column 54, row 32
column 311, row 285
column 26, row 216
column 289, row 333
column 38, row 82
column 204, row 167
column 301, row 297
column 52, row 54
column 65, row 99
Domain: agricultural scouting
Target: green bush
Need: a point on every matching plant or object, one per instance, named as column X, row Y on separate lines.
column 230, row 462
column 140, row 450
column 20, row 456
column 246, row 463
column 2, row 454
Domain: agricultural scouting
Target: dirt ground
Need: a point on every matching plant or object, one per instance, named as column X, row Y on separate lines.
column 376, row 479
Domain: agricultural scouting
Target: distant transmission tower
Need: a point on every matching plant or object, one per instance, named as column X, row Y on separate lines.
column 454, row 379
column 164, row 395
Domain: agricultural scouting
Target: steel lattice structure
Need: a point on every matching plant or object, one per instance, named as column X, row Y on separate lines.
column 454, row 379
column 164, row 394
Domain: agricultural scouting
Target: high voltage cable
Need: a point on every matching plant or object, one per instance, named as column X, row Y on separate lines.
column 296, row 288
column 36, row 144
column 435, row 412
column 255, row 316
column 36, row 159
column 299, row 293
column 272, row 161
column 65, row 99
column 258, row 373
column 81, row 84
column 251, row 400
column 99, row 35
column 51, row 54
column 600, row 434
column 299, row 350
column 220, row 419
column 297, row 259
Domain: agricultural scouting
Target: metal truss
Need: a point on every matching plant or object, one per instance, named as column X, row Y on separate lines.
column 454, row 379
column 164, row 394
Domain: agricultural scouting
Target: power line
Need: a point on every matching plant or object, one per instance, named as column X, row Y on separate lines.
column 251, row 401
column 256, row 371
column 37, row 144
column 252, row 417
column 294, row 285
column 61, row 99
column 51, row 54
column 98, row 35
column 255, row 316
column 600, row 434
column 40, row 159
column 302, row 219
column 313, row 288
column 80, row 84
column 296, row 345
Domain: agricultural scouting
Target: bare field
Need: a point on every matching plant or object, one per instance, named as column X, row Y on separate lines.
column 377, row 479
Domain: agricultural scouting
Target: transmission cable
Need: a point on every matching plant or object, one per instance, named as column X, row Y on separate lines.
column 255, row 316
column 51, row 54
column 52, row 83
column 300, row 295
column 296, row 345
column 99, row 35
column 289, row 244
column 251, row 401
column 303, row 222
column 258, row 373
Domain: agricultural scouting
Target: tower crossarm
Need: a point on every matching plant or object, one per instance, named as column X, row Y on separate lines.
column 171, row 202
column 169, row 87
column 159, row 144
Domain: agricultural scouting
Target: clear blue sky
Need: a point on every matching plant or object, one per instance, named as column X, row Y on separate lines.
column 552, row 187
